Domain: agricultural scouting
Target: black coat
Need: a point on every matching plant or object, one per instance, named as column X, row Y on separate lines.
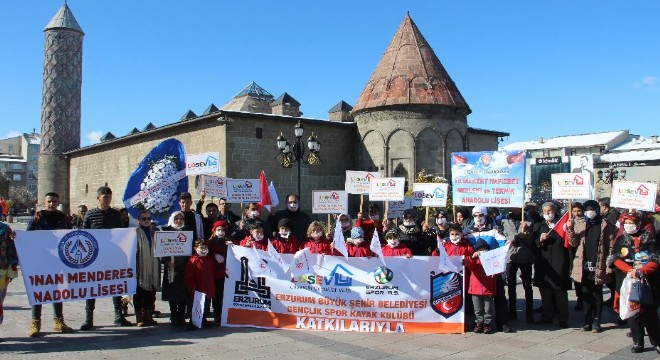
column 298, row 221
column 176, row 290
column 551, row 265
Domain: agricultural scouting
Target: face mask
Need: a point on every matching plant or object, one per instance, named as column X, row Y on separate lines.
column 316, row 235
column 630, row 228
column 285, row 234
column 392, row 242
column 374, row 217
column 549, row 217
column 202, row 251
column 356, row 241
column 454, row 239
column 258, row 237
column 292, row 207
column 345, row 225
column 590, row 214
column 480, row 220
column 441, row 221
column 253, row 214
column 408, row 222
column 220, row 233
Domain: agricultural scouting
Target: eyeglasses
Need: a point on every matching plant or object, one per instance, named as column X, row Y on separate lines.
column 145, row 218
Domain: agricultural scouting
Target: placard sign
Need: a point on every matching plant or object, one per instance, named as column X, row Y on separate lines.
column 570, row 186
column 329, row 202
column 386, row 189
column 174, row 243
column 430, row 194
column 243, row 191
column 357, row 182
column 396, row 208
column 214, row 186
column 204, row 163
column 634, row 195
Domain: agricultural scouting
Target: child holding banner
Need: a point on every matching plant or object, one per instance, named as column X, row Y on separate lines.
column 218, row 244
column 394, row 247
column 285, row 242
column 371, row 224
column 316, row 240
column 8, row 262
column 356, row 245
column 482, row 288
column 256, row 239
column 200, row 276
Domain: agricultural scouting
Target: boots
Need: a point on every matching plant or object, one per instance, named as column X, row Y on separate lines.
column 149, row 318
column 60, row 326
column 120, row 320
column 89, row 320
column 596, row 328
column 35, row 327
column 139, row 317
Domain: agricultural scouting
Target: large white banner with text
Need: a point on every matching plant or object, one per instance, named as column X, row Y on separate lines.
column 68, row 265
column 332, row 293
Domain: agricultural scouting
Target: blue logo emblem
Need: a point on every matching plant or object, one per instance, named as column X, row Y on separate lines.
column 446, row 293
column 340, row 280
column 211, row 161
column 438, row 193
column 78, row 249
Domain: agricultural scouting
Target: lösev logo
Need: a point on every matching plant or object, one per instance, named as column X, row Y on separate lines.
column 210, row 161
column 78, row 249
column 334, row 278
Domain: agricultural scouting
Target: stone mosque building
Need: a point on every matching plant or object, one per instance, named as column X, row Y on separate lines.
column 410, row 116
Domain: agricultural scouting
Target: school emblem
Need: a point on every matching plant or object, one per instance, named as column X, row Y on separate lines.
column 446, row 293
column 78, row 249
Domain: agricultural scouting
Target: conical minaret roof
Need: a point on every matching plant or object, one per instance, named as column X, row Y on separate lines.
column 409, row 73
column 64, row 19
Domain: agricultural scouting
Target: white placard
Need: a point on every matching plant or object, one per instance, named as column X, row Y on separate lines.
column 329, row 202
column 173, row 243
column 494, row 261
column 243, row 191
column 198, row 309
column 634, row 195
column 204, row 163
column 357, row 182
column 214, row 186
column 430, row 194
column 570, row 186
column 386, row 189
column 396, row 208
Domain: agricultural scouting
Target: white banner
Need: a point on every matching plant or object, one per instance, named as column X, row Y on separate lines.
column 205, row 163
column 430, row 194
column 173, row 243
column 198, row 309
column 214, row 186
column 494, row 261
column 329, row 202
column 386, row 189
column 570, row 186
column 355, row 294
column 357, row 182
column 243, row 191
column 70, row 265
column 634, row 195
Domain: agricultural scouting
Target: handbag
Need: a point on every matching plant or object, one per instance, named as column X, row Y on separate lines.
column 626, row 308
column 642, row 293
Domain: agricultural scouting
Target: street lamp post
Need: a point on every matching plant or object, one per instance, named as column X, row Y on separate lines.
column 288, row 154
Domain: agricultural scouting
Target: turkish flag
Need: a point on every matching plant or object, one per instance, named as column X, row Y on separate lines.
column 459, row 159
column 560, row 229
column 516, row 158
column 265, row 193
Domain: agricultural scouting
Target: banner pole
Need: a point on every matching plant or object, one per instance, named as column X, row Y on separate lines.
column 570, row 207
column 387, row 208
column 361, row 201
column 427, row 214
column 329, row 222
column 522, row 211
column 453, row 208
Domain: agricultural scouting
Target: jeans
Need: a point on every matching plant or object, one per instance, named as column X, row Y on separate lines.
column 484, row 309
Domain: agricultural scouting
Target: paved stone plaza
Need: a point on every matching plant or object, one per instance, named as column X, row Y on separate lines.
column 163, row 341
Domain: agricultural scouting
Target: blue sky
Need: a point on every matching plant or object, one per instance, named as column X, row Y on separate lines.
column 530, row 68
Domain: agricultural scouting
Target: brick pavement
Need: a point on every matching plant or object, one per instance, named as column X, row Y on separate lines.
column 163, row 341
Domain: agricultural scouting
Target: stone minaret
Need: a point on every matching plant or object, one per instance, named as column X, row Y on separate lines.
column 60, row 104
column 410, row 115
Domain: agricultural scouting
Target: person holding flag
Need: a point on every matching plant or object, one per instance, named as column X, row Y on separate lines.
column 589, row 265
column 551, row 267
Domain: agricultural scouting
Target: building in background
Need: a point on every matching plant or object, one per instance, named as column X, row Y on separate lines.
column 19, row 160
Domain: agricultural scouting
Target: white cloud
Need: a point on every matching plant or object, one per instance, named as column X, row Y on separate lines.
column 94, row 137
column 648, row 82
column 13, row 133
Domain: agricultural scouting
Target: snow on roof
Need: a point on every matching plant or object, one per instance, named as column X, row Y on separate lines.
column 639, row 143
column 580, row 140
column 636, row 155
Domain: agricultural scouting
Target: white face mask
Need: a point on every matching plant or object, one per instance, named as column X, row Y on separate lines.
column 202, row 251
column 356, row 241
column 259, row 237
column 454, row 239
column 292, row 207
column 374, row 217
column 316, row 235
column 479, row 220
column 630, row 228
column 549, row 217
column 285, row 234
column 590, row 214
column 408, row 222
column 253, row 214
column 393, row 242
column 441, row 221
column 220, row 233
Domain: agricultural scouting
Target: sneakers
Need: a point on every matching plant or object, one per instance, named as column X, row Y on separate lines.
column 637, row 348
column 60, row 326
column 587, row 327
column 35, row 327
column 478, row 328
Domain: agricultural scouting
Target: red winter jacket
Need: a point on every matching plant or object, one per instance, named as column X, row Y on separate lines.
column 286, row 246
column 259, row 245
column 361, row 250
column 369, row 226
column 462, row 248
column 318, row 247
column 218, row 247
column 480, row 283
column 199, row 275
column 401, row 250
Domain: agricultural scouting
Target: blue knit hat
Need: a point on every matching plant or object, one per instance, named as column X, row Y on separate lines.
column 357, row 232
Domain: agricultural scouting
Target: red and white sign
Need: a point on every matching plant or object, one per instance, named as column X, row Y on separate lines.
column 173, row 243
column 204, row 163
column 243, row 191
column 357, row 182
column 570, row 186
column 386, row 189
column 214, row 186
column 634, row 195
column 329, row 202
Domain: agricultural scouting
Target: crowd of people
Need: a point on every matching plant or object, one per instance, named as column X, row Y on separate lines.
column 598, row 246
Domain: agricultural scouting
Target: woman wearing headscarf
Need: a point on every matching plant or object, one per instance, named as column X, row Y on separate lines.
column 590, row 266
column 174, row 285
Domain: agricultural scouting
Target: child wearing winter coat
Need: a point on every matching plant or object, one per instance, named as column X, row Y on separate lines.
column 256, row 239
column 200, row 276
column 316, row 240
column 285, row 242
column 482, row 288
column 394, row 247
column 218, row 244
column 356, row 245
